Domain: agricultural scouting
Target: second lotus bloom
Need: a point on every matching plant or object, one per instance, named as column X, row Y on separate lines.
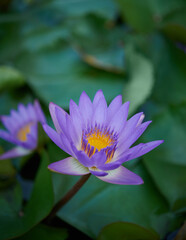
column 21, row 130
column 98, row 138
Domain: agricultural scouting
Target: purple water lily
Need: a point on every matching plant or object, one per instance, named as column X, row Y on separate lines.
column 98, row 138
column 21, row 128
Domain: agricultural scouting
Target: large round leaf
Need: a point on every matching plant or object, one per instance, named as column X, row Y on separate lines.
column 58, row 75
column 170, row 70
column 141, row 79
column 45, row 232
column 169, row 126
column 19, row 220
column 98, row 203
column 10, row 77
column 170, row 179
column 126, row 231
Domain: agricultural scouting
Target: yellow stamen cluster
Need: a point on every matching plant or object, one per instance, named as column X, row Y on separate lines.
column 22, row 133
column 96, row 140
column 99, row 140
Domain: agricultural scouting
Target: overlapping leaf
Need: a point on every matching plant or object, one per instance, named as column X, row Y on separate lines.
column 10, row 77
column 127, row 231
column 98, row 203
column 50, row 75
column 21, row 220
column 141, row 80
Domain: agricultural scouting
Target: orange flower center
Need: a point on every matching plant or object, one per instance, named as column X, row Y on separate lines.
column 23, row 132
column 97, row 139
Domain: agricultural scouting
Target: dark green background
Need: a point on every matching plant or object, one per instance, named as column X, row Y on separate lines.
column 53, row 50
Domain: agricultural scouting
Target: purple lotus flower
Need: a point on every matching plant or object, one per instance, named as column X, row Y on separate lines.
column 98, row 138
column 21, row 128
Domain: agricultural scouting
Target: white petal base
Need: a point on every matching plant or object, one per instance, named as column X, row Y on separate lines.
column 15, row 152
column 122, row 176
column 69, row 166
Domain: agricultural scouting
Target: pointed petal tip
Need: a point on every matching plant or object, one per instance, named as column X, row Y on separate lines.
column 139, row 182
column 147, row 123
column 158, row 142
column 39, row 112
column 127, row 104
column 84, row 98
column 52, row 106
column 83, row 94
column 72, row 104
column 99, row 91
column 50, row 168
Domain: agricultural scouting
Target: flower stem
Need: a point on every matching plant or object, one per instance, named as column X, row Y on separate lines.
column 67, row 197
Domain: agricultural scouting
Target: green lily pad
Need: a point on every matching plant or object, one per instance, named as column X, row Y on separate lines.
column 169, row 126
column 99, row 43
column 126, row 231
column 45, row 232
column 141, row 79
column 51, row 77
column 170, row 179
column 98, row 203
column 18, row 219
column 138, row 14
column 10, row 77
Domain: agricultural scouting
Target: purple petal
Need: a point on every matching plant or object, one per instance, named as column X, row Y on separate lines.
column 61, row 116
column 82, row 157
column 31, row 112
column 55, row 137
column 62, row 113
column 110, row 166
column 120, row 117
column 140, row 150
column 98, row 96
column 10, row 125
column 125, row 144
column 31, row 141
column 75, row 115
column 73, row 132
column 23, row 112
column 67, row 145
column 140, row 120
column 130, row 127
column 68, row 166
column 114, row 107
column 122, row 176
column 40, row 115
column 99, row 159
column 76, row 118
column 99, row 115
column 15, row 152
column 16, row 117
column 86, row 108
column 97, row 172
column 8, row 137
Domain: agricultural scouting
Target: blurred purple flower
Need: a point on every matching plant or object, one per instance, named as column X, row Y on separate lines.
column 98, row 138
column 21, row 128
